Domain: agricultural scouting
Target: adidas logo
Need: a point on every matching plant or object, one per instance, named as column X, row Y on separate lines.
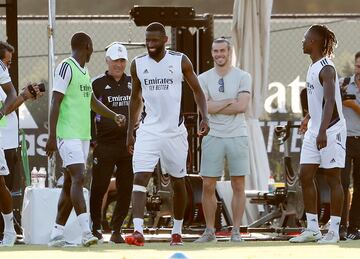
column 3, row 168
column 146, row 71
column 107, row 87
column 332, row 160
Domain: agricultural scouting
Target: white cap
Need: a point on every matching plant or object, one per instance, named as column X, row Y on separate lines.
column 116, row 51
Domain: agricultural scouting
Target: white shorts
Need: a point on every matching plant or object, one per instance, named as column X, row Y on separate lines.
column 332, row 156
column 171, row 151
column 4, row 170
column 73, row 151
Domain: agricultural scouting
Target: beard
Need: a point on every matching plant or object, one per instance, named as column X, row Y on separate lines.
column 221, row 64
column 155, row 53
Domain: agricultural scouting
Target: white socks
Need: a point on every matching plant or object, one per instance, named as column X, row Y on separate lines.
column 58, row 230
column 334, row 224
column 177, row 227
column 312, row 222
column 8, row 222
column 84, row 222
column 138, row 225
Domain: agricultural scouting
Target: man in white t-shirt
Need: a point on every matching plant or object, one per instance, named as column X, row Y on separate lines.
column 227, row 90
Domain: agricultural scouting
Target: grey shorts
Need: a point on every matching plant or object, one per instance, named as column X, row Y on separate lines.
column 214, row 151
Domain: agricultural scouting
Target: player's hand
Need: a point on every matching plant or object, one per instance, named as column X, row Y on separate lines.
column 303, row 126
column 32, row 94
column 204, row 127
column 321, row 140
column 130, row 141
column 350, row 103
column 37, row 91
column 25, row 93
column 120, row 120
column 51, row 146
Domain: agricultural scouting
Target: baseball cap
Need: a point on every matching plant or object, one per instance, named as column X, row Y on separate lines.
column 116, row 51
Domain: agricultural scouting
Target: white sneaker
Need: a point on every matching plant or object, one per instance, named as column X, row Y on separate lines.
column 89, row 239
column 236, row 236
column 207, row 237
column 58, row 241
column 330, row 238
column 9, row 239
column 306, row 236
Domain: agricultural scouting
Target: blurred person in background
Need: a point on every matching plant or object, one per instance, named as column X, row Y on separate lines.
column 351, row 110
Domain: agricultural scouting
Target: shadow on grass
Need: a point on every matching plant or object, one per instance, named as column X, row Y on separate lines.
column 223, row 246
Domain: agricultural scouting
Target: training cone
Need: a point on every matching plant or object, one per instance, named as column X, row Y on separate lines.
column 178, row 255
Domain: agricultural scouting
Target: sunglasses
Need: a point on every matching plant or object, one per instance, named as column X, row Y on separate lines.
column 221, row 85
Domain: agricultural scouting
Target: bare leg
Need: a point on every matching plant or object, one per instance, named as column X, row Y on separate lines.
column 76, row 190
column 139, row 198
column 64, row 205
column 179, row 198
column 333, row 177
column 5, row 197
column 209, row 202
column 307, row 175
column 238, row 199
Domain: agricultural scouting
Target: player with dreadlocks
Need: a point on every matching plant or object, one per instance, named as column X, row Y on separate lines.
column 325, row 134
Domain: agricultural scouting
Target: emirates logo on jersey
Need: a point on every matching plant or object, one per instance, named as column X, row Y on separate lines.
column 155, row 84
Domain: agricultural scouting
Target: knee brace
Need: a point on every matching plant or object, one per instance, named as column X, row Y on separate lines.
column 139, row 188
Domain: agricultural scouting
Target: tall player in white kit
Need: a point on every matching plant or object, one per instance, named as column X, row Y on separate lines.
column 325, row 134
column 157, row 78
column 6, row 205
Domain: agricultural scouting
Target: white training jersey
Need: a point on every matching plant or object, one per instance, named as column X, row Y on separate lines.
column 161, row 84
column 315, row 95
column 4, row 74
column 9, row 135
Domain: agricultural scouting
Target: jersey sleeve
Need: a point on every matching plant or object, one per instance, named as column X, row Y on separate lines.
column 4, row 74
column 203, row 83
column 245, row 83
column 62, row 77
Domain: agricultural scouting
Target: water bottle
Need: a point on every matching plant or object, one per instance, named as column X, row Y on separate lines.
column 42, row 177
column 271, row 184
column 34, row 177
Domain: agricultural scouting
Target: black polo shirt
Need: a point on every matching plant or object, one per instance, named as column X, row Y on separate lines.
column 116, row 96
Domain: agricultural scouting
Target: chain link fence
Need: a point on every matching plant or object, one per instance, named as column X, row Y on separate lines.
column 287, row 73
